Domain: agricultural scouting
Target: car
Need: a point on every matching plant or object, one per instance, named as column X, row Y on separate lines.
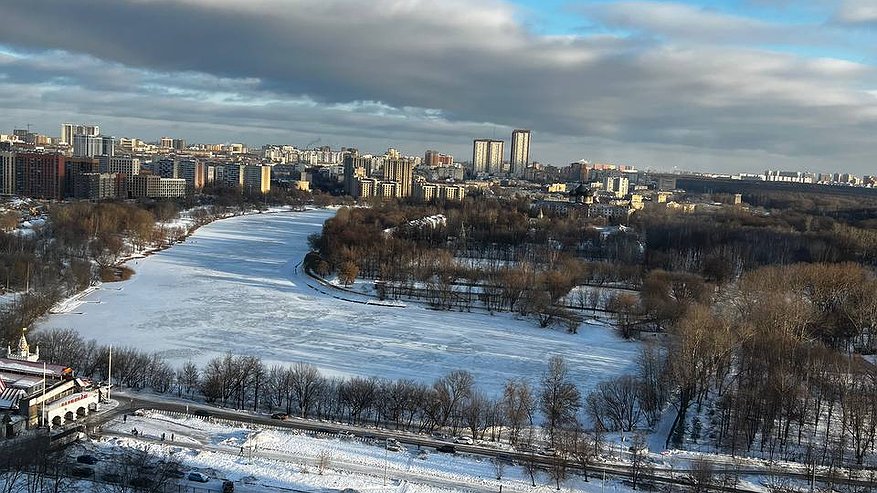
column 464, row 440
column 82, row 472
column 505, row 459
column 112, row 478
column 642, row 450
column 86, row 459
column 139, row 413
column 448, row 449
column 280, row 416
column 551, row 451
column 199, row 477
column 423, row 454
column 141, row 482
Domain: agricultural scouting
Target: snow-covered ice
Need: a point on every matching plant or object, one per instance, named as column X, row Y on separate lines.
column 233, row 286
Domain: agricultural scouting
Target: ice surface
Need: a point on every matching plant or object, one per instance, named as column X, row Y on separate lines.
column 232, row 286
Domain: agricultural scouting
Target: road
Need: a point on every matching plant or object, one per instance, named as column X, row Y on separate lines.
column 131, row 401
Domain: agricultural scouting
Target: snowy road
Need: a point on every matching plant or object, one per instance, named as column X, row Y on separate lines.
column 232, row 287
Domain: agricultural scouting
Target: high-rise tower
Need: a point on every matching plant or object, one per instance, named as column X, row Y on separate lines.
column 520, row 153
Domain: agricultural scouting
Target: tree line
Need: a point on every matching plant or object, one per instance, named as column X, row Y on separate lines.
column 770, row 365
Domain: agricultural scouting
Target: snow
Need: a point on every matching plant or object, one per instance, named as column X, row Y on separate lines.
column 269, row 459
column 235, row 285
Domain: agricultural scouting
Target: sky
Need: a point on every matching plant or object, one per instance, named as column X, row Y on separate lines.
column 722, row 85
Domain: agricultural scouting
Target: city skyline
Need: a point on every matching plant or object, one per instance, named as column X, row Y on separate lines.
column 720, row 86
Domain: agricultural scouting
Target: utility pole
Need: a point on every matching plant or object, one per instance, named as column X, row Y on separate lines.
column 110, row 374
column 386, row 459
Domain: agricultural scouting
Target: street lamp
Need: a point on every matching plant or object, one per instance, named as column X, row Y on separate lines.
column 386, row 458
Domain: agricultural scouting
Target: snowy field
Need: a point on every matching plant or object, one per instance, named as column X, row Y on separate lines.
column 233, row 286
column 281, row 460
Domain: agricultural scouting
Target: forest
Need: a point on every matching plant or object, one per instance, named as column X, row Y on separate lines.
column 765, row 315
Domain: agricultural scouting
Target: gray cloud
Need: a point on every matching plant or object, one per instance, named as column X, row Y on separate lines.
column 419, row 73
column 682, row 22
column 857, row 12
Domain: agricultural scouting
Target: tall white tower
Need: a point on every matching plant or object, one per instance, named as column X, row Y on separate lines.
column 520, row 153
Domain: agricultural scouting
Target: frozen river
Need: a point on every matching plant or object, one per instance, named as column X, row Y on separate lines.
column 231, row 287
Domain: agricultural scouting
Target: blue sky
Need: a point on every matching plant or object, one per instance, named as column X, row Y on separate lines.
column 722, row 85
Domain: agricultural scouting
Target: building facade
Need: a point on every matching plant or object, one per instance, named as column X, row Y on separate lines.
column 256, row 178
column 69, row 130
column 519, row 158
column 40, row 175
column 487, row 156
column 7, row 173
column 400, row 171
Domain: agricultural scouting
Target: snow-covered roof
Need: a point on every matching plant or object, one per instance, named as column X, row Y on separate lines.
column 18, row 381
column 31, row 367
column 9, row 398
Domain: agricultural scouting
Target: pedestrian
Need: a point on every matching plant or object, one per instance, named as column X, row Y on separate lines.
column 242, row 452
column 162, row 437
column 172, row 437
column 125, row 418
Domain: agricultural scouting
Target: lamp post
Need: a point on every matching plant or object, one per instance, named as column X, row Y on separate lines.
column 386, row 459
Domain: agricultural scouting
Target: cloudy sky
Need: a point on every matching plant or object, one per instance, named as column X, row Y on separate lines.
column 697, row 84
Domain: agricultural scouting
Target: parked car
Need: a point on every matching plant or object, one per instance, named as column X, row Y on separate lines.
column 280, row 416
column 199, row 477
column 464, row 440
column 141, row 482
column 86, row 459
column 393, row 445
column 82, row 472
column 448, row 449
column 112, row 477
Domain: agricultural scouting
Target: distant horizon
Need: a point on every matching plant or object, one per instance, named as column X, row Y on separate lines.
column 675, row 170
column 710, row 86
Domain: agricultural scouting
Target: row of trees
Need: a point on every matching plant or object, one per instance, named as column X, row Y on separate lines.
column 29, row 464
column 479, row 254
column 452, row 402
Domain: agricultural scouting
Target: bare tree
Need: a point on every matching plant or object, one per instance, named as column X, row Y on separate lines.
column 307, row 383
column 702, row 476
column 639, row 459
column 559, row 400
column 451, row 391
column 324, row 462
column 519, row 404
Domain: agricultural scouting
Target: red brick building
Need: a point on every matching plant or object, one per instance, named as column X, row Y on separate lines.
column 40, row 175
